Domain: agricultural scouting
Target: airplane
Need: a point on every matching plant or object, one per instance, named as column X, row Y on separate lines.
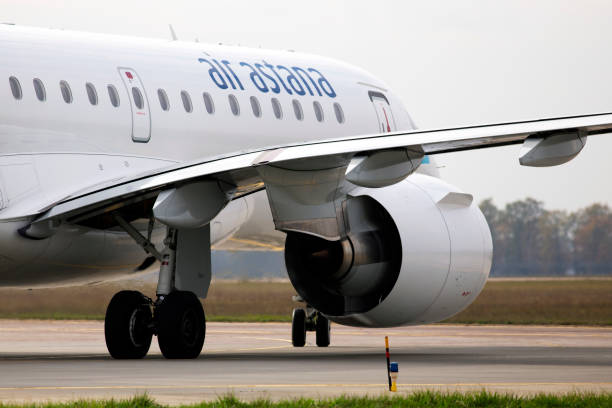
column 117, row 152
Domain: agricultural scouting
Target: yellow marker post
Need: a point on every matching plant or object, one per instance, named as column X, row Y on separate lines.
column 388, row 362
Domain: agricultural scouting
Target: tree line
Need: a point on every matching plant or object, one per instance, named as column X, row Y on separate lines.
column 529, row 240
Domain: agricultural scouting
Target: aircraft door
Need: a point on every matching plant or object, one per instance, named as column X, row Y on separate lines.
column 141, row 114
column 386, row 122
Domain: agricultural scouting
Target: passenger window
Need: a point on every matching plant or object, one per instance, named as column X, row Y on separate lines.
column 208, row 103
column 276, row 107
column 297, row 109
column 163, row 99
column 339, row 112
column 138, row 99
column 39, row 88
column 234, row 105
column 66, row 92
column 113, row 95
column 256, row 107
column 318, row 110
column 92, row 94
column 15, row 88
column 186, row 101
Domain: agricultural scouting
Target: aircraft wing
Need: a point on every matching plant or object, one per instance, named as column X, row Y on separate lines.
column 546, row 142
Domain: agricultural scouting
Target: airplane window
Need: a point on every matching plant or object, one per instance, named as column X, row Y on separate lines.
column 39, row 88
column 339, row 112
column 297, row 109
column 92, row 94
column 234, row 105
column 256, row 107
column 276, row 107
column 66, row 92
column 15, row 88
column 113, row 95
column 138, row 100
column 186, row 101
column 208, row 103
column 318, row 110
column 163, row 99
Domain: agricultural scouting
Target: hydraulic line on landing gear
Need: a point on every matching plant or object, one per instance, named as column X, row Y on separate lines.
column 140, row 240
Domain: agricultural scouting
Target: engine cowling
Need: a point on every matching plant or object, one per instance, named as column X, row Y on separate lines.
column 416, row 252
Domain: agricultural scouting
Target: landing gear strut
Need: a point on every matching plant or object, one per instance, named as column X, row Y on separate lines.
column 176, row 317
column 309, row 319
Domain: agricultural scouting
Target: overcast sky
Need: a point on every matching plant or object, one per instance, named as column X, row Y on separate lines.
column 453, row 63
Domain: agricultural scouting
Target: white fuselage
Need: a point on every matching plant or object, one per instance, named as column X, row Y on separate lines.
column 60, row 132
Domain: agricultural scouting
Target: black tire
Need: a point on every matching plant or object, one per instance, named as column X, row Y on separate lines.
column 127, row 325
column 181, row 325
column 322, row 331
column 298, row 328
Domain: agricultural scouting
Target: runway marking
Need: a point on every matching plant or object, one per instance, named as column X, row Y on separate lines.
column 478, row 334
column 264, row 338
column 49, row 329
column 434, row 334
column 247, row 349
column 204, row 354
column 322, row 385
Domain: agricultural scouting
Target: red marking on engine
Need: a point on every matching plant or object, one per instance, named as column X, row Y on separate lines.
column 467, row 293
column 129, row 75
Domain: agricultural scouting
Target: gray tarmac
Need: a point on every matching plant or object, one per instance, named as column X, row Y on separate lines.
column 66, row 360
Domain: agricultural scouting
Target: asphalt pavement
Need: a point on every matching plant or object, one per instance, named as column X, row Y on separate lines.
column 66, row 360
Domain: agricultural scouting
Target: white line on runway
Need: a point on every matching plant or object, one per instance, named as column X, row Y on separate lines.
column 182, row 386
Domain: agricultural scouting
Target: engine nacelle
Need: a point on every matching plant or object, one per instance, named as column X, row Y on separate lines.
column 417, row 252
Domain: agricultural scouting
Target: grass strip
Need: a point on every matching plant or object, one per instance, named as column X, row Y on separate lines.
column 419, row 399
column 557, row 302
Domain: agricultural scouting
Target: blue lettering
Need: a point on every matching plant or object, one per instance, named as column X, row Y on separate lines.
column 225, row 72
column 300, row 72
column 323, row 82
column 227, row 64
column 256, row 78
column 215, row 75
column 279, row 78
column 275, row 88
column 292, row 80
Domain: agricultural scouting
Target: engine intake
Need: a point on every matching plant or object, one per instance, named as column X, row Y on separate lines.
column 351, row 275
column 416, row 252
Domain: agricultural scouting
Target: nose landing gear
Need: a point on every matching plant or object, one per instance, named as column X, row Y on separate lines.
column 309, row 319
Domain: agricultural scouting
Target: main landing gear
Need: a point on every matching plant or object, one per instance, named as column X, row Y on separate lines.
column 132, row 319
column 176, row 317
column 309, row 319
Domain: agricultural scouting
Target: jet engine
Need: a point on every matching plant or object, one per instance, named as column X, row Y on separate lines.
column 416, row 252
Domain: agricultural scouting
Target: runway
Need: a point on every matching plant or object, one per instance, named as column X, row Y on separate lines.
column 65, row 360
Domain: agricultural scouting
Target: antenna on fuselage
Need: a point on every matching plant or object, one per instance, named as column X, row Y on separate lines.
column 172, row 33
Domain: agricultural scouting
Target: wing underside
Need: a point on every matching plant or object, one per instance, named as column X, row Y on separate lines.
column 382, row 159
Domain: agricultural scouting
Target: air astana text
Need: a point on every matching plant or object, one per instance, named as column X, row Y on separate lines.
column 267, row 77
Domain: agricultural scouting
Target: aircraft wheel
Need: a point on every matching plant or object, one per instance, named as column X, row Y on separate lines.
column 181, row 325
column 127, row 325
column 322, row 329
column 298, row 328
